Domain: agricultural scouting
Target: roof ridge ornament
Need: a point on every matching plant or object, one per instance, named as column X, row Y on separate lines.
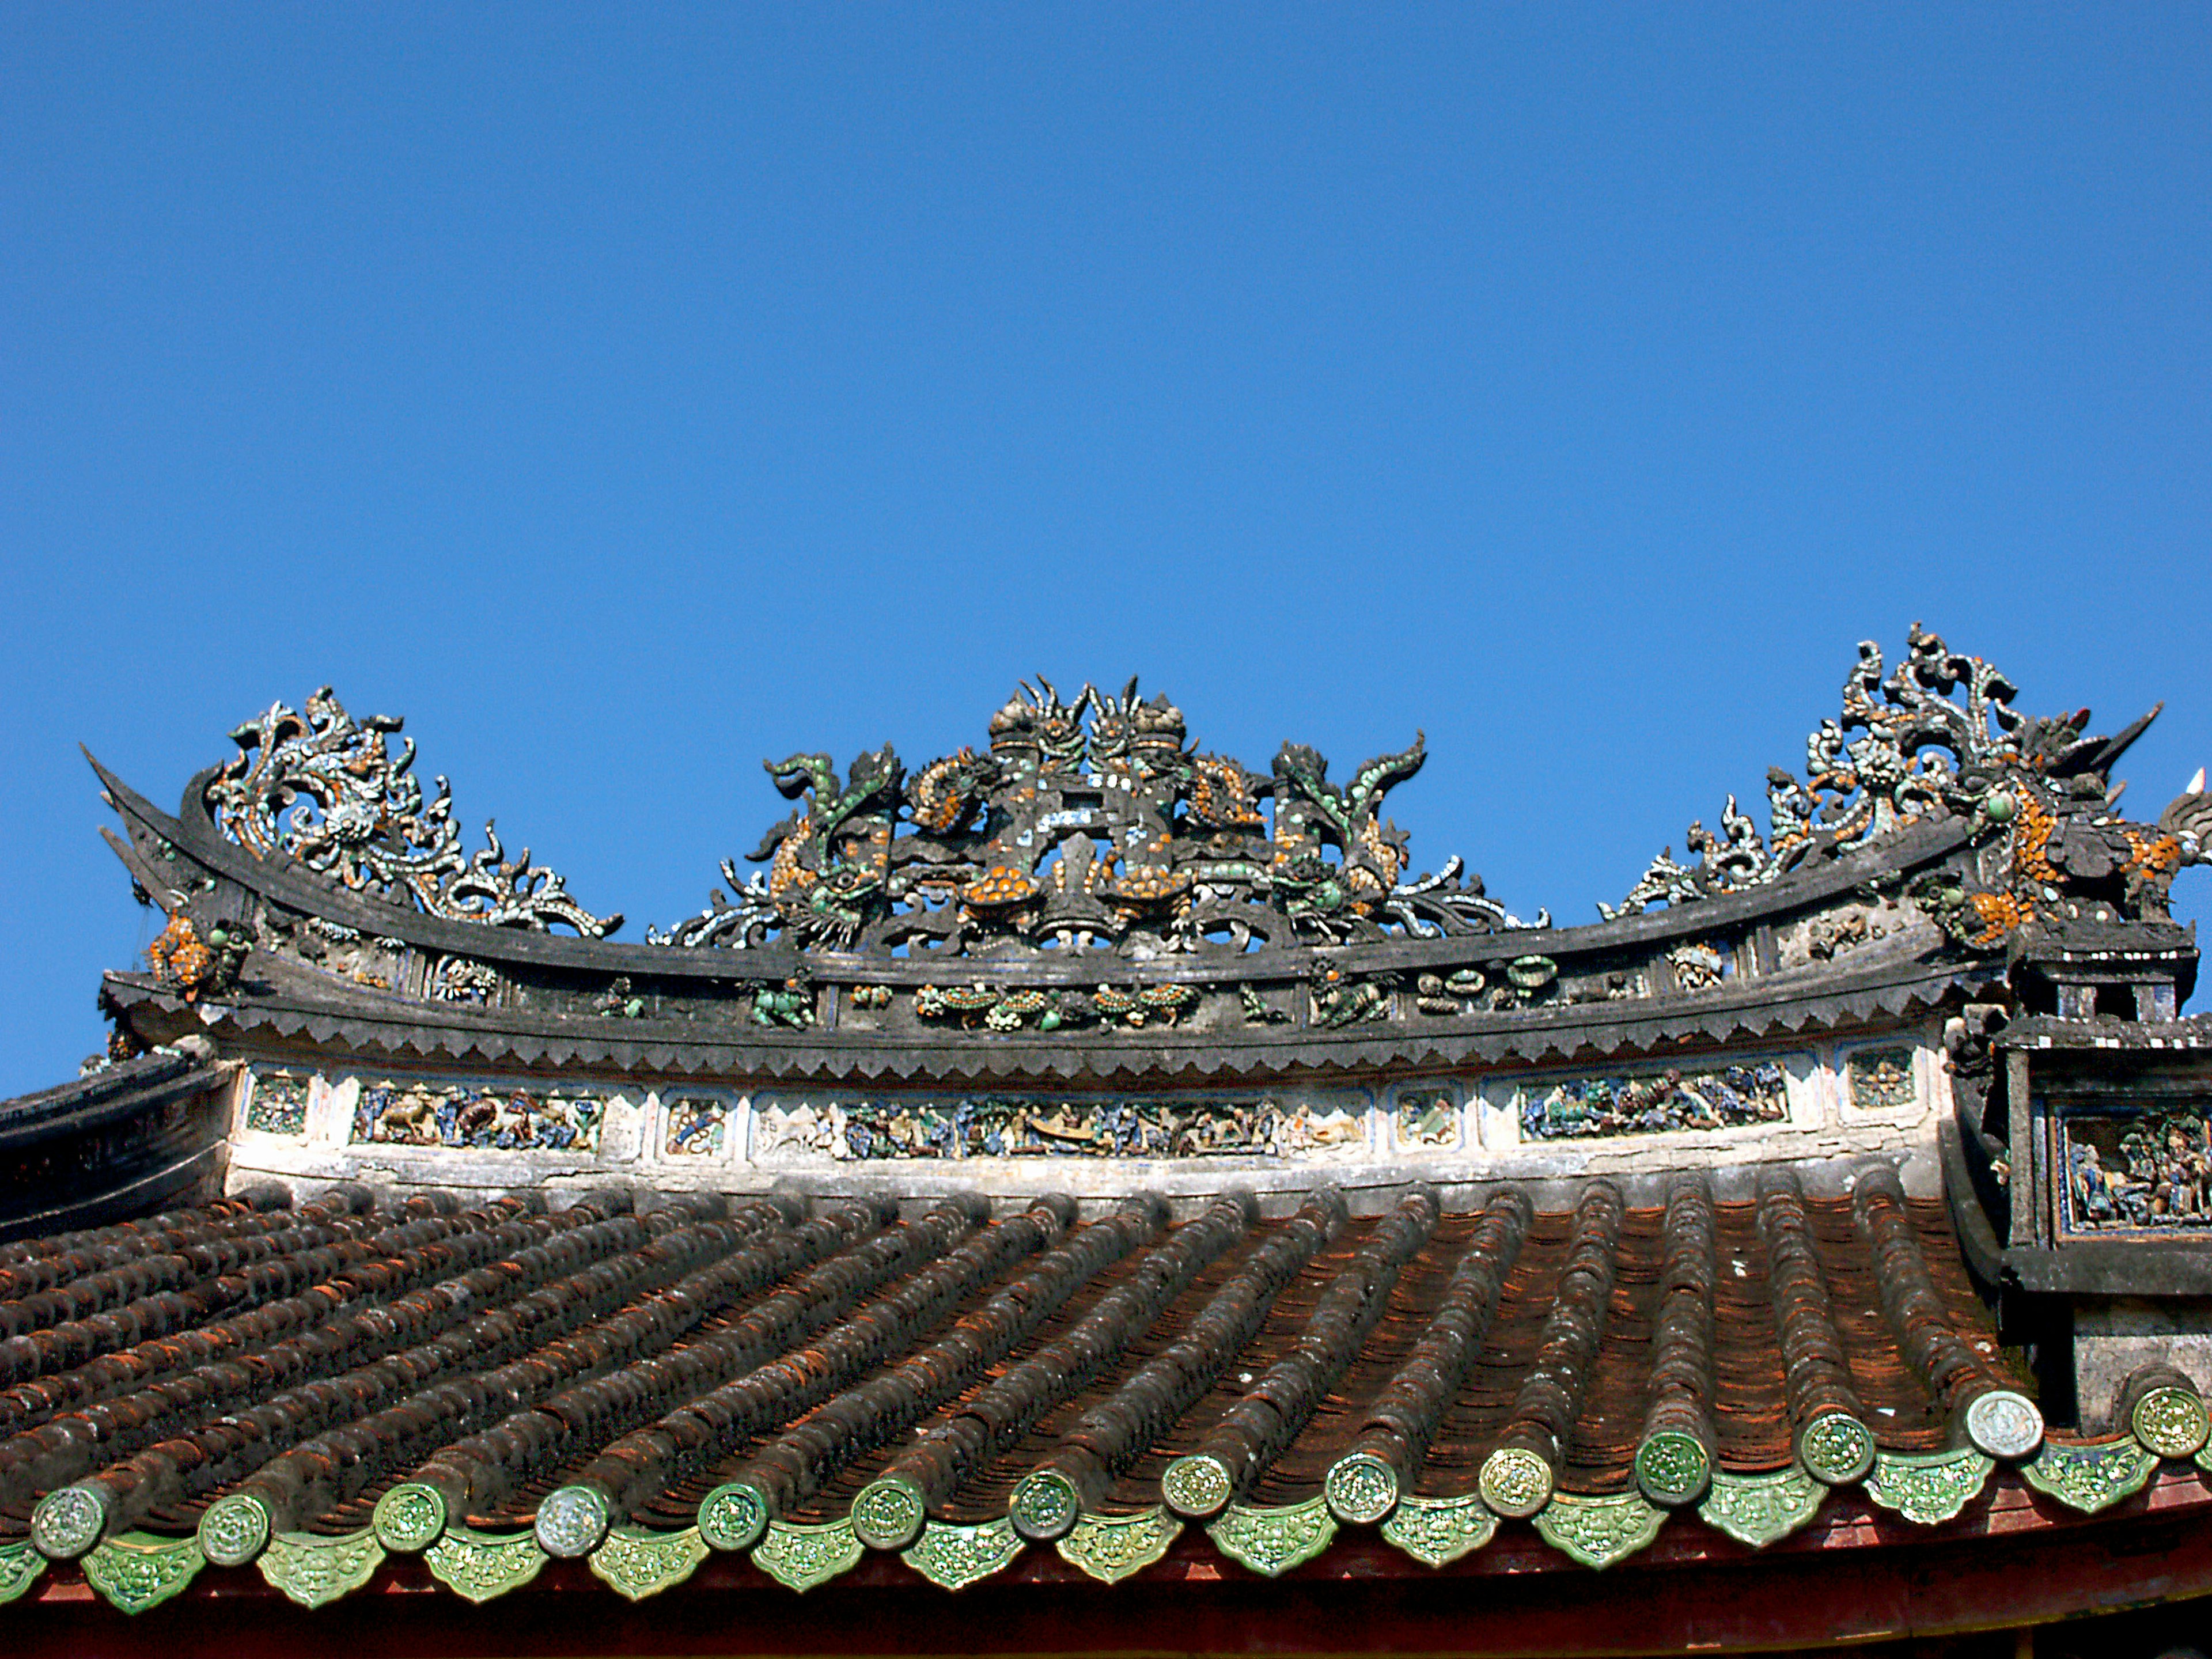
column 326, row 790
column 1092, row 821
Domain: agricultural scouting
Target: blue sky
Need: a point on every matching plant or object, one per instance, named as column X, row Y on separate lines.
column 625, row 395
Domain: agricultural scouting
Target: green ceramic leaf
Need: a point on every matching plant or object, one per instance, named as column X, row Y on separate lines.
column 136, row 1571
column 2091, row 1478
column 1436, row 1530
column 20, row 1566
column 1759, row 1509
column 1930, row 1488
column 1599, row 1531
column 478, row 1565
column 640, row 1563
column 1110, row 1547
column 954, row 1558
column 312, row 1569
column 1271, row 1541
column 803, row 1557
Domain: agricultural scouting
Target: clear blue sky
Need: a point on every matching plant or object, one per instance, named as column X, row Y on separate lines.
column 625, row 395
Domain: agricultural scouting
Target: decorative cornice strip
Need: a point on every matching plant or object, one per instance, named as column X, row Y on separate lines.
column 1930, row 1488
column 2091, row 1478
column 479, row 1566
column 1435, row 1531
column 136, row 1571
column 1272, row 1541
column 1760, row 1510
column 1599, row 1531
column 953, row 1558
column 312, row 1569
column 639, row 1563
column 800, row 1558
column 20, row 1565
column 1110, row 1547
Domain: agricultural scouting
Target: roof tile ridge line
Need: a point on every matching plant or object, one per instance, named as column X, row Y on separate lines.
column 1986, row 1411
column 1114, row 1434
column 485, row 1269
column 1392, row 1444
column 678, row 1272
column 1239, row 1450
column 1679, row 1449
column 483, row 1470
column 1006, row 1409
column 257, row 1322
column 1521, row 1472
column 241, row 1214
column 889, row 1514
column 1828, row 1424
column 782, row 1475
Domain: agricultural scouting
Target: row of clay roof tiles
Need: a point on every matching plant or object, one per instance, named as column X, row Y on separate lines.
column 253, row 1383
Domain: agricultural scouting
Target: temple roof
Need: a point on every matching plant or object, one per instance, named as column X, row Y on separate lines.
column 309, row 1389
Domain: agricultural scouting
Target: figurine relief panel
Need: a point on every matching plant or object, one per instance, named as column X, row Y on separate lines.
column 1655, row 1102
column 276, row 1102
column 2147, row 1171
column 502, row 1117
column 871, row 1128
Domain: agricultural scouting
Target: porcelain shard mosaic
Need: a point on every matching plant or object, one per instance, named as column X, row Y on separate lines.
column 278, row 1104
column 2150, row 1171
column 1727, row 1099
column 502, row 1118
column 1880, row 1079
column 694, row 1126
column 1006, row 1126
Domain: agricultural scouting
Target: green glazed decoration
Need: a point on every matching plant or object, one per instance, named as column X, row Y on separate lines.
column 478, row 1565
column 1361, row 1489
column 1272, row 1541
column 1672, row 1467
column 953, row 1558
column 311, row 1570
column 888, row 1514
column 1930, row 1488
column 1599, row 1531
column 2090, row 1478
column 2171, row 1422
column 409, row 1517
column 20, row 1567
column 1760, row 1510
column 639, row 1563
column 136, row 1571
column 1110, row 1547
column 233, row 1529
column 1436, row 1530
column 733, row 1517
column 800, row 1558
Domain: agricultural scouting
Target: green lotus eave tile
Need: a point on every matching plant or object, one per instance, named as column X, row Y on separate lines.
column 1110, row 1547
column 800, row 1558
column 136, row 1571
column 1272, row 1541
column 2091, row 1478
column 478, row 1565
column 953, row 1558
column 20, row 1567
column 639, row 1562
column 1760, row 1510
column 311, row 1570
column 1599, row 1531
column 1437, row 1530
column 1931, row 1488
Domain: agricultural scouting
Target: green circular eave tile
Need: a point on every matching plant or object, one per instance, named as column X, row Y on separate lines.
column 572, row 1522
column 2171, row 1422
column 1361, row 1489
column 67, row 1523
column 20, row 1567
column 1760, row 1510
column 953, row 1558
column 233, row 1529
column 1599, row 1531
column 409, row 1517
column 2005, row 1424
column 1272, row 1541
column 2091, row 1478
column 1931, row 1488
column 734, row 1517
column 312, row 1571
column 1197, row 1485
column 1044, row 1505
column 1515, row 1482
column 1837, row 1449
column 639, row 1563
column 136, row 1571
column 888, row 1514
column 1672, row 1467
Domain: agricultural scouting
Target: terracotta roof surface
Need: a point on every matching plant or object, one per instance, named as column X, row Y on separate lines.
column 796, row 1379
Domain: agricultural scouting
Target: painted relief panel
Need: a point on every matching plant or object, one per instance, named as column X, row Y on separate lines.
column 1724, row 1098
column 1880, row 1079
column 501, row 1118
column 1007, row 1126
column 2147, row 1171
column 278, row 1103
column 694, row 1126
column 1429, row 1119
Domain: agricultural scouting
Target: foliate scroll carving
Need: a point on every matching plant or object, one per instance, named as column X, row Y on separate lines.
column 328, row 791
column 1936, row 738
column 1087, row 822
